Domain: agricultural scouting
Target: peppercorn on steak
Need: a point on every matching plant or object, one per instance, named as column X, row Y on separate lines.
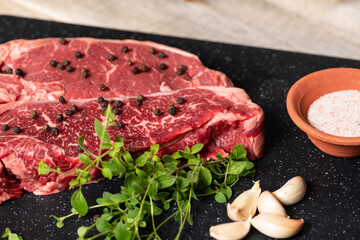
column 78, row 68
column 218, row 117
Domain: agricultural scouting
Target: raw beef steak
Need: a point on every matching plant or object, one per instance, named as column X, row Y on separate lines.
column 124, row 67
column 218, row 117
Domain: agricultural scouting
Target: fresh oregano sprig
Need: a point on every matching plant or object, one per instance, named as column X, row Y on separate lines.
column 151, row 185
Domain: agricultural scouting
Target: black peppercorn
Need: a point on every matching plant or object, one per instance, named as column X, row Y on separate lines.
column 163, row 66
column 69, row 69
column 60, row 66
column 140, row 97
column 157, row 112
column 62, row 41
column 172, row 110
column 129, row 62
column 84, row 73
column 5, row 127
column 103, row 110
column 46, row 127
column 118, row 103
column 4, row 72
column 33, row 114
column 111, row 101
column 102, row 87
column 53, row 63
column 9, row 71
column 78, row 148
column 161, row 55
column 68, row 112
column 180, row 100
column 144, row 68
column 74, row 108
column 65, row 63
column 124, row 49
column 181, row 70
column 119, row 125
column 78, row 54
column 103, row 104
column 62, row 99
column 19, row 72
column 137, row 102
column 59, row 117
column 111, row 57
column 100, row 99
column 135, row 70
column 17, row 130
column 55, row 131
column 116, row 111
column 152, row 50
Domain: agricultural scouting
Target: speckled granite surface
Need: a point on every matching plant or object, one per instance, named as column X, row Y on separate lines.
column 331, row 207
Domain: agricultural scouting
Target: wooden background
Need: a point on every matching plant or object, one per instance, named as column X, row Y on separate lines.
column 326, row 27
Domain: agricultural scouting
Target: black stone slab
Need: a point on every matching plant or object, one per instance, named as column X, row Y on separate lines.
column 331, row 207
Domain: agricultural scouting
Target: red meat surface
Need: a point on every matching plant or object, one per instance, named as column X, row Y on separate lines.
column 218, row 117
column 40, row 81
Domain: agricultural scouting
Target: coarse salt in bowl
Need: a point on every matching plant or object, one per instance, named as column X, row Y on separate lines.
column 314, row 86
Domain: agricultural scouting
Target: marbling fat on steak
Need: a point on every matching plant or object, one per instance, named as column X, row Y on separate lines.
column 219, row 117
column 41, row 81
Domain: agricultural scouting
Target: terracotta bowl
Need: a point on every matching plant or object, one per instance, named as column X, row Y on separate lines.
column 311, row 87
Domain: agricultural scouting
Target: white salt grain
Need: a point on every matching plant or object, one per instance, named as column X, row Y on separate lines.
column 337, row 113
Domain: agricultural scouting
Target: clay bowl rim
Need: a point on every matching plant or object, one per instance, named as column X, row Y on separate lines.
column 293, row 108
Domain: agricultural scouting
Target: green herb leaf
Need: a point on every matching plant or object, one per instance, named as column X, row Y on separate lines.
column 168, row 159
column 101, row 131
column 226, row 190
column 43, row 168
column 121, row 232
column 137, row 188
column 81, row 144
column 84, row 158
column 154, row 148
column 193, row 176
column 205, row 175
column 11, row 236
column 186, row 155
column 106, row 146
column 113, row 168
column 119, row 198
column 236, row 167
column 220, row 197
column 106, row 172
column 153, row 188
column 79, row 203
column 165, row 181
column 140, row 161
column 196, row 148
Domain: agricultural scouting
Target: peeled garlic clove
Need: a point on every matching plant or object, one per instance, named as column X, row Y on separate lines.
column 292, row 191
column 230, row 231
column 267, row 203
column 244, row 206
column 276, row 226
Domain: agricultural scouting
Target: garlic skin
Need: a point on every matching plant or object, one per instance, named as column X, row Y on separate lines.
column 230, row 231
column 292, row 191
column 276, row 226
column 268, row 203
column 244, row 206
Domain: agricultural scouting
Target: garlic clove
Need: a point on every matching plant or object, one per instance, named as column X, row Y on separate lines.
column 230, row 231
column 268, row 203
column 276, row 226
column 292, row 191
column 244, row 206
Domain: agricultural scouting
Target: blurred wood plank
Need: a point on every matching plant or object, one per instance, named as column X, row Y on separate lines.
column 327, row 27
